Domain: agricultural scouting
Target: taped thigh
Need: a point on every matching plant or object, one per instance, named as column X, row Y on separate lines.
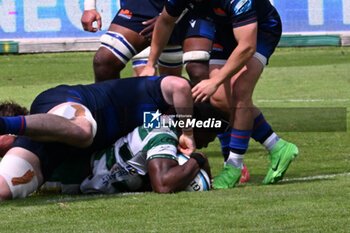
column 118, row 45
column 196, row 55
column 171, row 56
column 19, row 175
column 141, row 58
column 73, row 110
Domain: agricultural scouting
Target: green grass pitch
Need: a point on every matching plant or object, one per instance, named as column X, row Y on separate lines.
column 304, row 93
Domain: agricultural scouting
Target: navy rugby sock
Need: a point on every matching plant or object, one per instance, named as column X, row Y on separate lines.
column 263, row 133
column 13, row 125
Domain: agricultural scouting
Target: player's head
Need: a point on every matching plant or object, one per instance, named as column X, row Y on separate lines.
column 205, row 112
column 9, row 109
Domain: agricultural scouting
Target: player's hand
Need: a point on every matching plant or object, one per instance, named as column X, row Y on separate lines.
column 206, row 166
column 87, row 19
column 148, row 71
column 187, row 145
column 203, row 90
column 148, row 30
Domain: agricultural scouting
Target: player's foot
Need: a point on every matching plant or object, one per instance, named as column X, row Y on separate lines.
column 245, row 175
column 282, row 154
column 227, row 178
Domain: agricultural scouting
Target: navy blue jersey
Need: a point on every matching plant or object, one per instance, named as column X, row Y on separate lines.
column 145, row 8
column 236, row 12
column 176, row 7
column 116, row 105
column 243, row 12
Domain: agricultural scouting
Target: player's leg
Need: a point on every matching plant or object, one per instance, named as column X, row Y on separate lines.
column 118, row 45
column 70, row 123
column 245, row 111
column 139, row 61
column 196, row 34
column 20, row 174
column 170, row 61
column 196, row 57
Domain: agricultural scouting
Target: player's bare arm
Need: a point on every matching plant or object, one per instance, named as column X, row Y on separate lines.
column 246, row 37
column 161, row 34
column 177, row 92
column 168, row 176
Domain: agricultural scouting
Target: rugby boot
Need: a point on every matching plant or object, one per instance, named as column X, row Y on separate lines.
column 227, row 178
column 281, row 155
column 245, row 175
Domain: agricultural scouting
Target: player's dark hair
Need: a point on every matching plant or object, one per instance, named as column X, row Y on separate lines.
column 10, row 109
column 204, row 111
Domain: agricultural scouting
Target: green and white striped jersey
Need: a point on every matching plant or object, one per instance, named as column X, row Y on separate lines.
column 120, row 167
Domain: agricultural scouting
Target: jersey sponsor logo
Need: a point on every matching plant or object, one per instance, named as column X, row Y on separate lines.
column 25, row 179
column 192, row 23
column 219, row 11
column 125, row 13
column 242, row 6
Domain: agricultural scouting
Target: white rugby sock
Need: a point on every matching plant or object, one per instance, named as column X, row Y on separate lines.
column 271, row 141
column 235, row 160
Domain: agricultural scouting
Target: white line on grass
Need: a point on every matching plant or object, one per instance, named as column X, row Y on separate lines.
column 318, row 177
column 302, row 100
column 96, row 196
column 86, row 197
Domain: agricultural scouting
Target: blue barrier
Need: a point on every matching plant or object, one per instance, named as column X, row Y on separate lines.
column 61, row 18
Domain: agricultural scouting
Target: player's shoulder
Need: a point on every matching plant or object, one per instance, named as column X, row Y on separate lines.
column 238, row 7
column 154, row 137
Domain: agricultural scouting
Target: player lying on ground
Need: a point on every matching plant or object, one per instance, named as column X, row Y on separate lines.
column 148, row 156
column 144, row 158
column 69, row 121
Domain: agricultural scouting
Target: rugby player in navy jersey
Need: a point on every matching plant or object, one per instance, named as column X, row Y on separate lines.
column 130, row 33
column 143, row 160
column 247, row 33
column 68, row 121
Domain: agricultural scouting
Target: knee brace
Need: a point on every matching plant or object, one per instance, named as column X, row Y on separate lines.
column 198, row 55
column 19, row 175
column 71, row 110
column 171, row 56
column 118, row 45
column 141, row 58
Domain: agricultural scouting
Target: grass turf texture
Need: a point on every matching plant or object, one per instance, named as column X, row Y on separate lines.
column 296, row 78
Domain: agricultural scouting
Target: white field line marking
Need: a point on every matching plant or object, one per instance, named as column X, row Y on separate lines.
column 96, row 196
column 81, row 197
column 318, row 177
column 302, row 100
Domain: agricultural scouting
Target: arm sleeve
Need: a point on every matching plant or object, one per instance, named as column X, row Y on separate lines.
column 162, row 146
column 242, row 12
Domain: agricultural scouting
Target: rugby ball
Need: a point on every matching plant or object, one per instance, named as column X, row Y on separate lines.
column 201, row 182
